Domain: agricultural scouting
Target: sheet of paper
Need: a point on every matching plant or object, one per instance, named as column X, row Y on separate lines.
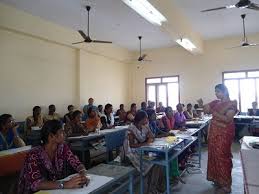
column 96, row 182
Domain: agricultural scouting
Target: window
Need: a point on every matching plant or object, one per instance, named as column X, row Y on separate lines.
column 163, row 89
column 243, row 86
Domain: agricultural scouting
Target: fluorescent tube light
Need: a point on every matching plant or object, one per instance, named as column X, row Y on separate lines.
column 186, row 43
column 146, row 10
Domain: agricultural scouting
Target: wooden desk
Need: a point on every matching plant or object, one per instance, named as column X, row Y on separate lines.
column 11, row 161
column 114, row 175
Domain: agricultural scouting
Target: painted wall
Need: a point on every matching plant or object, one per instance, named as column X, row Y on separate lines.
column 198, row 73
column 39, row 66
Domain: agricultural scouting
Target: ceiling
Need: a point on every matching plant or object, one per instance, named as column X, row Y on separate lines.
column 221, row 23
column 115, row 21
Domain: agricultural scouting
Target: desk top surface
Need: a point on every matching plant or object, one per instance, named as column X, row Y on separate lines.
column 100, row 134
column 14, row 151
column 102, row 177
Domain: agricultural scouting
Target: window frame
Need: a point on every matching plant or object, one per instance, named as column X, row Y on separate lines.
column 246, row 77
column 161, row 83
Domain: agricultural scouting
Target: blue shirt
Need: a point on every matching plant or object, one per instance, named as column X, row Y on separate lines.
column 86, row 107
column 154, row 128
column 7, row 142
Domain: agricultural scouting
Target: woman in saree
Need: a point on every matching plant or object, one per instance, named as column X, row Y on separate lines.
column 220, row 137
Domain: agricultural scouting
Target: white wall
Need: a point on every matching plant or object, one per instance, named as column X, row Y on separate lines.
column 39, row 66
column 198, row 73
column 35, row 72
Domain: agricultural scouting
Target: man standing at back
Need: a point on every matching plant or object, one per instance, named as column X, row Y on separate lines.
column 86, row 107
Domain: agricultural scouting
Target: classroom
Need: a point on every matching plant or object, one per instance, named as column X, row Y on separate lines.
column 129, row 96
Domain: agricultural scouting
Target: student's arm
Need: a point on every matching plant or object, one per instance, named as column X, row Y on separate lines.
column 133, row 144
column 18, row 142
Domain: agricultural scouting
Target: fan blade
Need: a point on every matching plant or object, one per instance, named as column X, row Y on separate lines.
column 102, row 41
column 253, row 44
column 82, row 34
column 235, row 47
column 144, row 56
column 253, row 6
column 219, row 8
column 78, row 42
column 147, row 60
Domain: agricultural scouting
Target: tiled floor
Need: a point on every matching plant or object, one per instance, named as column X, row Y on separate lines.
column 197, row 183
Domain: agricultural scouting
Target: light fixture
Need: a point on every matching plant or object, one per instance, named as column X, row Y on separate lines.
column 146, row 10
column 186, row 43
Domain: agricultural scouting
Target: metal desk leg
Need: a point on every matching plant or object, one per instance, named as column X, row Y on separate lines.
column 199, row 147
column 131, row 183
column 167, row 174
column 141, row 175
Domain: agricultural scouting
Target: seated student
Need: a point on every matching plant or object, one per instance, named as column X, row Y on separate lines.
column 121, row 113
column 100, row 110
column 52, row 115
column 45, row 164
column 75, row 127
column 160, row 108
column 36, row 120
column 153, row 124
column 151, row 105
column 167, row 122
column 93, row 121
column 68, row 116
column 131, row 113
column 197, row 111
column 179, row 117
column 254, row 111
column 90, row 104
column 188, row 113
column 139, row 135
column 143, row 106
column 9, row 137
column 107, row 119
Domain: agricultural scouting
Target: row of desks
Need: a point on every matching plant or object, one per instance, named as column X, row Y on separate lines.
column 250, row 164
column 168, row 151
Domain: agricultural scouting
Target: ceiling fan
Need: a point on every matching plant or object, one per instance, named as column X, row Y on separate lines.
column 245, row 40
column 141, row 56
column 87, row 38
column 241, row 5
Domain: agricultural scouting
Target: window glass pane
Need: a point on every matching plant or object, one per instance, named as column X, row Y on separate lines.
column 162, row 94
column 233, row 89
column 253, row 74
column 234, row 75
column 153, row 80
column 257, row 89
column 169, row 79
column 151, row 93
column 173, row 94
column 247, row 92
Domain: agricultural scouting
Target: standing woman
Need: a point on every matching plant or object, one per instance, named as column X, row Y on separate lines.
column 220, row 137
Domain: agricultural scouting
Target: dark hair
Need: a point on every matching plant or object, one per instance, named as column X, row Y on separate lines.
column 100, row 105
column 188, row 105
column 76, row 113
column 132, row 105
column 52, row 106
column 3, row 119
column 196, row 106
column 167, row 109
column 89, row 110
column 140, row 115
column 107, row 106
column 143, row 104
column 69, row 106
column 121, row 105
column 90, row 99
column 150, row 112
column 50, row 127
column 35, row 108
column 223, row 89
